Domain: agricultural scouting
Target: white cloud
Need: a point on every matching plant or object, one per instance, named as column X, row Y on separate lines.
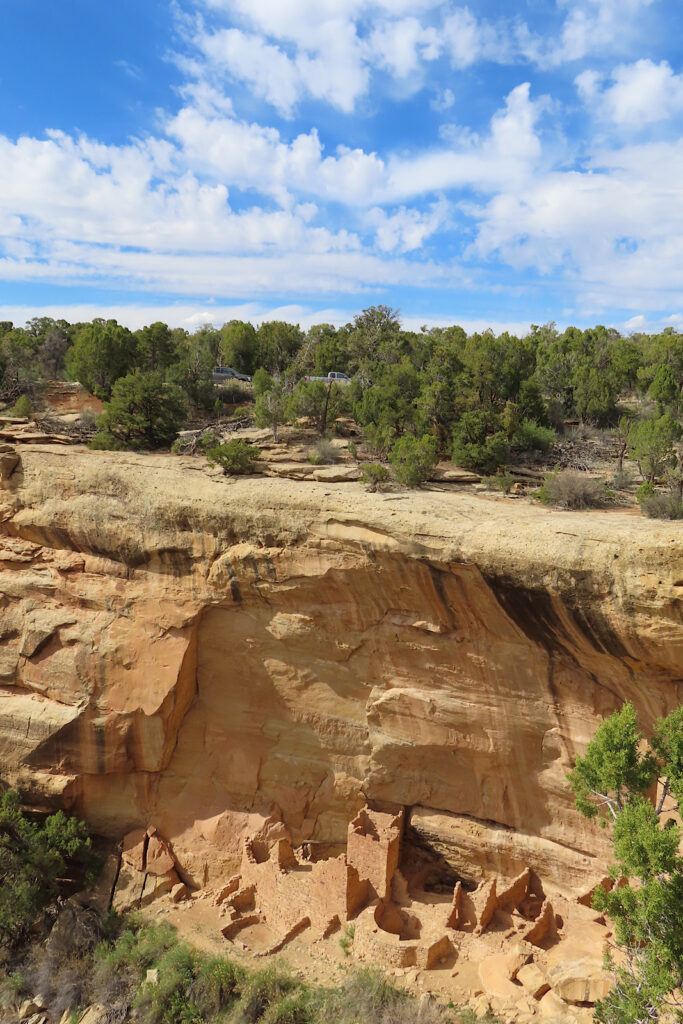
column 443, row 100
column 251, row 156
column 269, row 71
column 285, row 51
column 407, row 229
column 597, row 25
column 639, row 93
column 402, row 45
column 469, row 40
column 615, row 231
column 132, row 70
column 331, row 69
column 507, row 155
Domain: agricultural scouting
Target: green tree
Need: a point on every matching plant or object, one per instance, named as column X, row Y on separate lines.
column 155, row 346
column 270, row 409
column 278, row 343
column 413, row 459
column 101, row 353
column 33, row 860
column 262, row 382
column 653, row 444
column 19, row 364
column 664, row 388
column 319, row 402
column 239, row 346
column 192, row 369
column 613, row 781
column 143, row 413
column 621, row 434
column 391, row 401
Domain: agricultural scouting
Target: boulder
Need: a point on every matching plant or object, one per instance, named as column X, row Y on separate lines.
column 76, row 930
column 179, row 893
column 159, row 860
column 551, row 1006
column 134, row 849
column 533, row 980
column 579, row 978
column 494, row 973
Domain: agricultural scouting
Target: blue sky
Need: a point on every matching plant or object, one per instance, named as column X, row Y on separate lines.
column 480, row 164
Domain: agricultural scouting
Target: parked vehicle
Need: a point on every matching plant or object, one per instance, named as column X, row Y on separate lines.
column 332, row 377
column 221, row 374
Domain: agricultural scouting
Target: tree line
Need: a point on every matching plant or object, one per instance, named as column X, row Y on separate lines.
column 481, row 397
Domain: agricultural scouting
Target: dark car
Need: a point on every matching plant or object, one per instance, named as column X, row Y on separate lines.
column 221, row 374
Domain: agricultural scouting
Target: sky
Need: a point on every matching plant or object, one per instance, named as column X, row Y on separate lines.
column 488, row 164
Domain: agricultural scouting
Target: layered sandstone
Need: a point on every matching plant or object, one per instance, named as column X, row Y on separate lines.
column 180, row 651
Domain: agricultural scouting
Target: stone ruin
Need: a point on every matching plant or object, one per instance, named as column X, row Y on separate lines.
column 507, row 929
column 366, row 886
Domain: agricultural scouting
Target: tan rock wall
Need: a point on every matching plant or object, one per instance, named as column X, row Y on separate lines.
column 184, row 649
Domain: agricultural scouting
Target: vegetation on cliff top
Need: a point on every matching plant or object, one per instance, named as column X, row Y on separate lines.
column 480, row 399
column 613, row 781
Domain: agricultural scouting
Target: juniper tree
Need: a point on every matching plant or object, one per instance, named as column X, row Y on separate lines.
column 614, row 782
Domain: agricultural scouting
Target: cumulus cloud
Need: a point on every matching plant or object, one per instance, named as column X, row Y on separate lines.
column 228, row 200
column 251, row 156
column 407, row 229
column 638, row 94
column 576, row 223
column 286, row 51
column 597, row 25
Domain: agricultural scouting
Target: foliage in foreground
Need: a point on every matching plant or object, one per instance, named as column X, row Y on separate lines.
column 613, row 782
column 33, row 857
column 193, row 987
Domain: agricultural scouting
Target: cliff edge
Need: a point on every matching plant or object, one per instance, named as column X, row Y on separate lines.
column 182, row 649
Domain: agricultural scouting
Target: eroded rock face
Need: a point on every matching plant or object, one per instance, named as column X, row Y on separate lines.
column 182, row 649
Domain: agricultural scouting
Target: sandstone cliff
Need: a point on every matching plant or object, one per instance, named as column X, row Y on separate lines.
column 180, row 649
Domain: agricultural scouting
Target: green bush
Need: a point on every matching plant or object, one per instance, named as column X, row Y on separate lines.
column 270, row 409
column 209, row 440
column 645, row 491
column 413, row 459
column 374, row 475
column 474, row 447
column 22, row 406
column 347, row 938
column 236, row 457
column 33, row 859
column 662, row 505
column 572, row 489
column 241, row 412
column 260, row 990
column 622, row 480
column 529, row 436
column 326, row 453
column 500, row 482
column 168, row 999
column 379, row 439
